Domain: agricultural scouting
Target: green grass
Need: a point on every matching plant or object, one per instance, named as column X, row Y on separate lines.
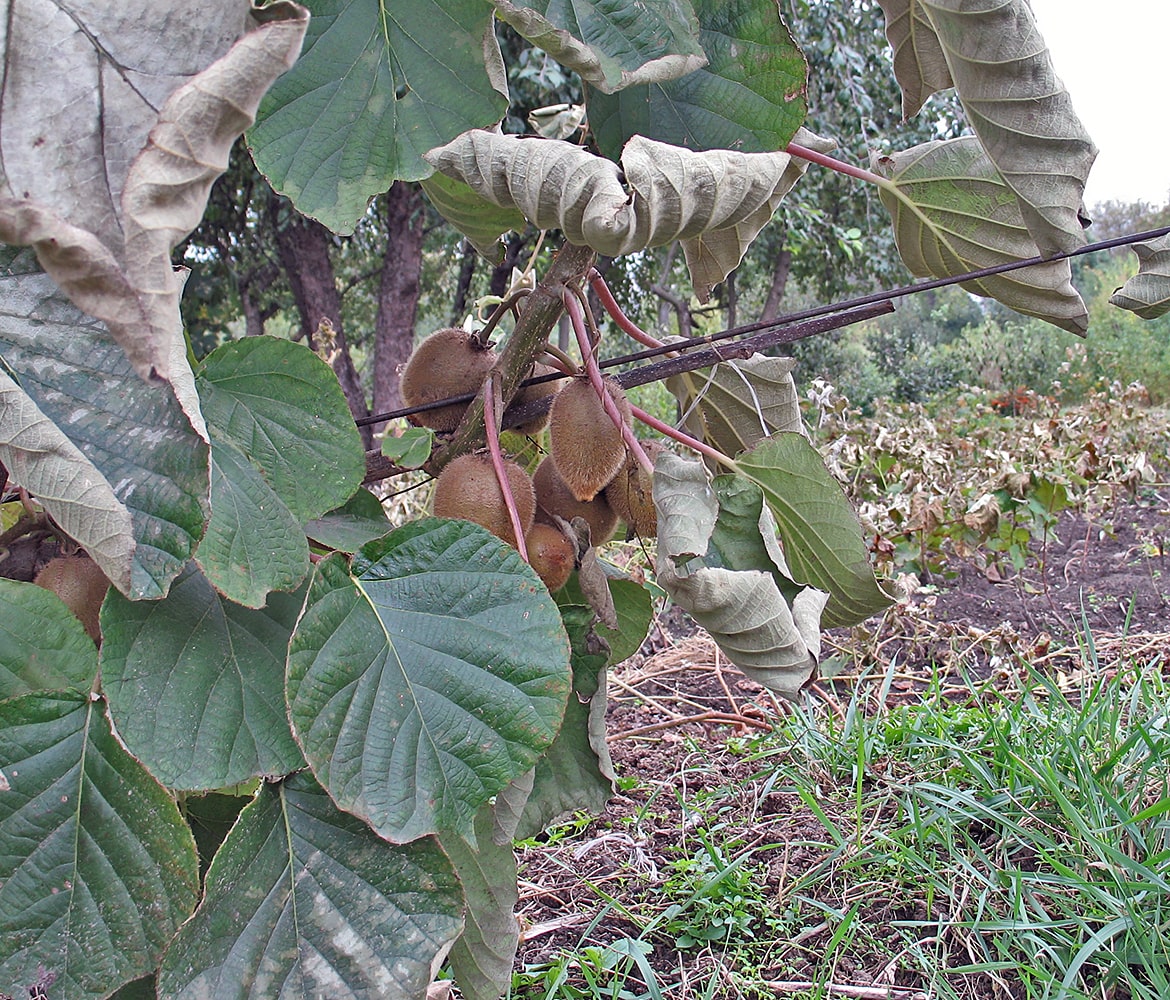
column 1023, row 839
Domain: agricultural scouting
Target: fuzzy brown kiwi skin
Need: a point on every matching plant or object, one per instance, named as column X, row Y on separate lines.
column 554, row 497
column 467, row 488
column 449, row 362
column 585, row 445
column 80, row 584
column 631, row 493
column 551, row 554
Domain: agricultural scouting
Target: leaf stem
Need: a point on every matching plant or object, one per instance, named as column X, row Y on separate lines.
column 493, row 404
column 840, row 166
column 563, row 361
column 577, row 321
column 597, row 283
column 683, row 438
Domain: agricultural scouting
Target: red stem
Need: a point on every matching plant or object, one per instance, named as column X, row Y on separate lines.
column 597, row 283
column 577, row 320
column 491, row 428
column 840, row 166
column 683, row 438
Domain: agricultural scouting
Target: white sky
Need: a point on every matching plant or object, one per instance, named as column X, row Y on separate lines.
column 1113, row 59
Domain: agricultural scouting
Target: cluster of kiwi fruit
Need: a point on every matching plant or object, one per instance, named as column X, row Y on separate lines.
column 588, row 472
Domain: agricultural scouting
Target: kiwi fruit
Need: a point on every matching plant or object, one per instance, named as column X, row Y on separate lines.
column 531, row 393
column 554, row 497
column 551, row 554
column 449, row 362
column 79, row 582
column 631, row 493
column 468, row 488
column 585, row 445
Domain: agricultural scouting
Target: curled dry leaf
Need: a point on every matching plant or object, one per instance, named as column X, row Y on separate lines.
column 920, row 64
column 954, row 213
column 733, row 590
column 715, row 202
column 1018, row 107
column 687, row 508
column 736, row 404
column 105, row 236
column 1147, row 293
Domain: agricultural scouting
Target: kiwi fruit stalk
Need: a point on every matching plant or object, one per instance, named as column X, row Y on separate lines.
column 467, row 488
column 585, row 445
column 631, row 493
column 554, row 497
column 449, row 362
column 551, row 554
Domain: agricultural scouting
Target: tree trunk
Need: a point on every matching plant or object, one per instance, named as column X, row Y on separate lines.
column 501, row 280
column 303, row 246
column 463, row 284
column 664, row 306
column 682, row 309
column 398, row 292
column 779, row 282
column 255, row 316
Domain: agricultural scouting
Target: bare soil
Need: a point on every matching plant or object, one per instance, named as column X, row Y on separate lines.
column 677, row 708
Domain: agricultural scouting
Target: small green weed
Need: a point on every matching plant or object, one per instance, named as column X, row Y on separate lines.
column 720, row 897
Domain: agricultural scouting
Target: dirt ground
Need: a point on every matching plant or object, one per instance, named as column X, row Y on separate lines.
column 1107, row 576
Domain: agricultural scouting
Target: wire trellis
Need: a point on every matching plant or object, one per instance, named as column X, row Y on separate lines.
column 785, row 329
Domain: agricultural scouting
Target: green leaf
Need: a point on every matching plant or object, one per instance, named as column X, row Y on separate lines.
column 282, row 406
column 359, row 520
column 745, row 534
column 920, row 64
column 635, row 612
column 303, row 900
column 114, row 460
column 474, row 216
column 124, row 172
column 195, row 684
column 378, row 84
column 43, row 646
column 211, row 817
column 738, row 403
column 1147, row 293
column 747, row 616
column 576, row 772
column 97, row 868
column 481, row 959
column 822, row 538
column 508, row 808
column 140, row 989
column 611, row 44
column 1020, row 111
column 253, row 544
column 411, row 448
column 953, row 213
column 749, row 97
column 426, row 676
